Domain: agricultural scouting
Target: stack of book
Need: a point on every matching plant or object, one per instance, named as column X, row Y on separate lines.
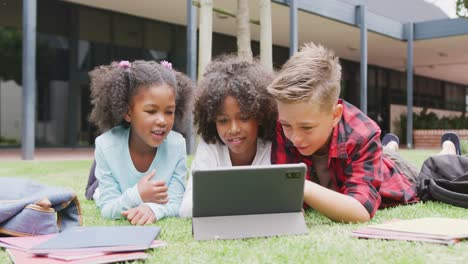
column 446, row 231
column 97, row 244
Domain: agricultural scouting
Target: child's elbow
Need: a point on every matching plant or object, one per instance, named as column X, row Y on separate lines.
column 362, row 217
column 355, row 218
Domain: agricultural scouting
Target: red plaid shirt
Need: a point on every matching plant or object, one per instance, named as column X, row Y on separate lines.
column 355, row 156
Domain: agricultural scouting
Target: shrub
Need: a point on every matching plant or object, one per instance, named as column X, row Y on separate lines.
column 8, row 142
column 429, row 120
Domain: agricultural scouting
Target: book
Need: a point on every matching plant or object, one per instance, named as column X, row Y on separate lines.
column 22, row 257
column 63, row 255
column 434, row 230
column 24, row 243
column 99, row 239
column 19, row 250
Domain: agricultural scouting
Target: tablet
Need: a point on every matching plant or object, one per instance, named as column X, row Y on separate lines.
column 243, row 198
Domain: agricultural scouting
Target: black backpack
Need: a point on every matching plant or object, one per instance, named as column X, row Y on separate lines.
column 444, row 178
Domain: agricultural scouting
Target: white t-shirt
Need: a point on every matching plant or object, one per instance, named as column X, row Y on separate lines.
column 217, row 155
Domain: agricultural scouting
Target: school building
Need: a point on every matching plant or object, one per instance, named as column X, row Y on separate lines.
column 407, row 48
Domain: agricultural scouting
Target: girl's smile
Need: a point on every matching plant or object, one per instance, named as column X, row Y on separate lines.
column 237, row 131
column 151, row 116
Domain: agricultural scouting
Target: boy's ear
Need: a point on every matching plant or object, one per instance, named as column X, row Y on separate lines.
column 337, row 113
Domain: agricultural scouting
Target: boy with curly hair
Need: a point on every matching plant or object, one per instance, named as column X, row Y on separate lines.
column 349, row 177
column 235, row 117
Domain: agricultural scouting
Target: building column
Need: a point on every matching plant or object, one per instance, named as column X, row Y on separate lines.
column 293, row 38
column 191, row 67
column 29, row 79
column 409, row 84
column 361, row 21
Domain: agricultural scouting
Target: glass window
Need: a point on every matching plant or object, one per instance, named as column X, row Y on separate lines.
column 52, row 68
column 158, row 36
column 11, row 13
column 94, row 25
column 53, row 17
column 127, row 31
column 454, row 96
column 280, row 56
column 10, row 54
column 223, row 44
column 397, row 87
column 373, row 93
column 382, row 80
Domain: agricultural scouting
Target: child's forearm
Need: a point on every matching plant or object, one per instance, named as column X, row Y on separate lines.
column 336, row 206
column 112, row 205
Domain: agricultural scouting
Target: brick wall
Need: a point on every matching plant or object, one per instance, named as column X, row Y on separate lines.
column 424, row 139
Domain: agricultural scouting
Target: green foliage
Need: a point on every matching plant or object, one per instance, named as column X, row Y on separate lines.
column 10, row 54
column 462, row 8
column 326, row 241
column 8, row 142
column 464, row 147
column 429, row 120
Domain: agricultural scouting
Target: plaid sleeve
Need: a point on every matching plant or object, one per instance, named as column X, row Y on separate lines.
column 362, row 176
column 278, row 152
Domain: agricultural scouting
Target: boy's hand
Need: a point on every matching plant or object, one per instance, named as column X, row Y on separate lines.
column 140, row 215
column 152, row 191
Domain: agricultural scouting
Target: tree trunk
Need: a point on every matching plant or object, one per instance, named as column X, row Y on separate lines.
column 266, row 45
column 243, row 30
column 205, row 38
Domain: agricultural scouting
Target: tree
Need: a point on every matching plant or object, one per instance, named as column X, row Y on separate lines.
column 244, row 49
column 266, row 44
column 205, row 38
column 462, row 8
column 243, row 31
column 10, row 54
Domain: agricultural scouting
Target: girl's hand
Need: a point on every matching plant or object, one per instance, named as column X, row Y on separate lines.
column 140, row 215
column 152, row 191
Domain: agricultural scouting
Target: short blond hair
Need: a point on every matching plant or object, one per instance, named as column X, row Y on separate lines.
column 312, row 74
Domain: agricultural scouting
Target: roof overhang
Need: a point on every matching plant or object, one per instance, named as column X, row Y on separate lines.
column 440, row 46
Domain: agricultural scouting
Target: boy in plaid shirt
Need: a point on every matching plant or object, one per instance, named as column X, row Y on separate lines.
column 349, row 175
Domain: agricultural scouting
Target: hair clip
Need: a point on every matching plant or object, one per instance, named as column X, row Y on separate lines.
column 166, row 64
column 124, row 64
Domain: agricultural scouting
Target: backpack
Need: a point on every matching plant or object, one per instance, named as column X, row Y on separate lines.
column 29, row 208
column 444, row 178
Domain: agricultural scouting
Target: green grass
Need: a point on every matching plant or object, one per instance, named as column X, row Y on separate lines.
column 326, row 241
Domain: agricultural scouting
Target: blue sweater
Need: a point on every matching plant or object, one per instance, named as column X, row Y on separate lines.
column 118, row 177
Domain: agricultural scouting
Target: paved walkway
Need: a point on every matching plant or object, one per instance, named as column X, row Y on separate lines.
column 12, row 154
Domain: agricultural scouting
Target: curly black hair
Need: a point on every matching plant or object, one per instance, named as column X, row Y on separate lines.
column 246, row 81
column 112, row 87
column 185, row 89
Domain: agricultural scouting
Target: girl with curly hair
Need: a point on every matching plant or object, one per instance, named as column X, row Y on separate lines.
column 235, row 117
column 140, row 161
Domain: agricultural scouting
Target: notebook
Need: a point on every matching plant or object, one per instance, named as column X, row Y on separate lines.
column 99, row 238
column 22, row 257
column 248, row 201
column 432, row 229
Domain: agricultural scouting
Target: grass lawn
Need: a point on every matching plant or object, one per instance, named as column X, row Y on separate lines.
column 326, row 241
